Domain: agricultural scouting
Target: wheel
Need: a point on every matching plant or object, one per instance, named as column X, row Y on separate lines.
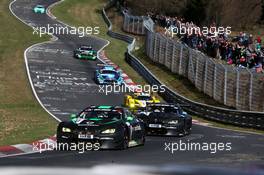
column 143, row 140
column 188, row 131
column 125, row 140
column 62, row 145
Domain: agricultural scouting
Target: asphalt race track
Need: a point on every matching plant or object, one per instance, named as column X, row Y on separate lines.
column 65, row 85
column 58, row 77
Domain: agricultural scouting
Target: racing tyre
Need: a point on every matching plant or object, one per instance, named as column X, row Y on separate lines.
column 143, row 140
column 63, row 146
column 125, row 142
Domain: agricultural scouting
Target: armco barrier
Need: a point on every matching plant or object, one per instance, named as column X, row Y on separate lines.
column 235, row 117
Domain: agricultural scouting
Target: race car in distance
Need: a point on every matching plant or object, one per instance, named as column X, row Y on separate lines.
column 165, row 119
column 139, row 100
column 85, row 52
column 112, row 127
column 39, row 9
column 106, row 74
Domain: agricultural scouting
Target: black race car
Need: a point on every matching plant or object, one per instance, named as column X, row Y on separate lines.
column 110, row 127
column 165, row 119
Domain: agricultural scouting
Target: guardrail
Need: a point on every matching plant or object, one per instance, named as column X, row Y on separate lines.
column 235, row 117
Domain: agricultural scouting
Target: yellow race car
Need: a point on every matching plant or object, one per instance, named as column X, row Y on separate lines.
column 139, row 100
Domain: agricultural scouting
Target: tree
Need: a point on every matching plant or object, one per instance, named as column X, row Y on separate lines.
column 195, row 11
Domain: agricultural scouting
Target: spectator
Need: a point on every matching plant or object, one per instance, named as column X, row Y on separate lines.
column 242, row 51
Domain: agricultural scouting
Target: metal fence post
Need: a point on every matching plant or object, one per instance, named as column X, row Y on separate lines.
column 205, row 75
column 138, row 22
column 133, row 24
column 237, row 88
column 180, row 63
column 124, row 23
column 160, row 49
column 196, row 71
column 173, row 58
column 127, row 23
column 215, row 79
column 166, row 53
column 143, row 26
column 151, row 38
column 190, row 74
column 225, row 85
column 155, row 44
column 250, row 89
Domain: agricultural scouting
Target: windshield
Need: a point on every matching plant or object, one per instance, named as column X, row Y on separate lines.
column 110, row 72
column 165, row 109
column 86, row 53
column 101, row 115
column 86, row 48
column 144, row 97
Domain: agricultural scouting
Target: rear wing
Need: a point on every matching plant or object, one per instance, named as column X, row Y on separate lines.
column 101, row 64
column 169, row 104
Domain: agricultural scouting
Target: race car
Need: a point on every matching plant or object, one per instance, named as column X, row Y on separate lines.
column 139, row 100
column 112, row 127
column 165, row 119
column 39, row 9
column 85, row 52
column 106, row 74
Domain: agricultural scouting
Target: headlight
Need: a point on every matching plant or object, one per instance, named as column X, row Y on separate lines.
column 108, row 131
column 173, row 122
column 66, row 129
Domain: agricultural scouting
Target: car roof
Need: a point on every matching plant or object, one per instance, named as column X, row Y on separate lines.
column 108, row 68
column 39, row 5
column 162, row 105
column 86, row 52
column 138, row 94
column 83, row 46
column 104, row 108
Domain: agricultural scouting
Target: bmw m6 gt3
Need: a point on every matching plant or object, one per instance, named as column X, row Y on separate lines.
column 111, row 127
column 166, row 119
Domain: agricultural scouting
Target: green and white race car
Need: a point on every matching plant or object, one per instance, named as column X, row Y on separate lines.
column 39, row 9
column 110, row 127
column 85, row 52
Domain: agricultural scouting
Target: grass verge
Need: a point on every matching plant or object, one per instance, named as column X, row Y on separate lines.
column 22, row 120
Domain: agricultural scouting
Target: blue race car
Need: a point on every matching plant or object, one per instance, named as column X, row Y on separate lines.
column 107, row 74
column 39, row 9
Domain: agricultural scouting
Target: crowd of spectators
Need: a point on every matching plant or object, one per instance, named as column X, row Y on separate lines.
column 242, row 50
